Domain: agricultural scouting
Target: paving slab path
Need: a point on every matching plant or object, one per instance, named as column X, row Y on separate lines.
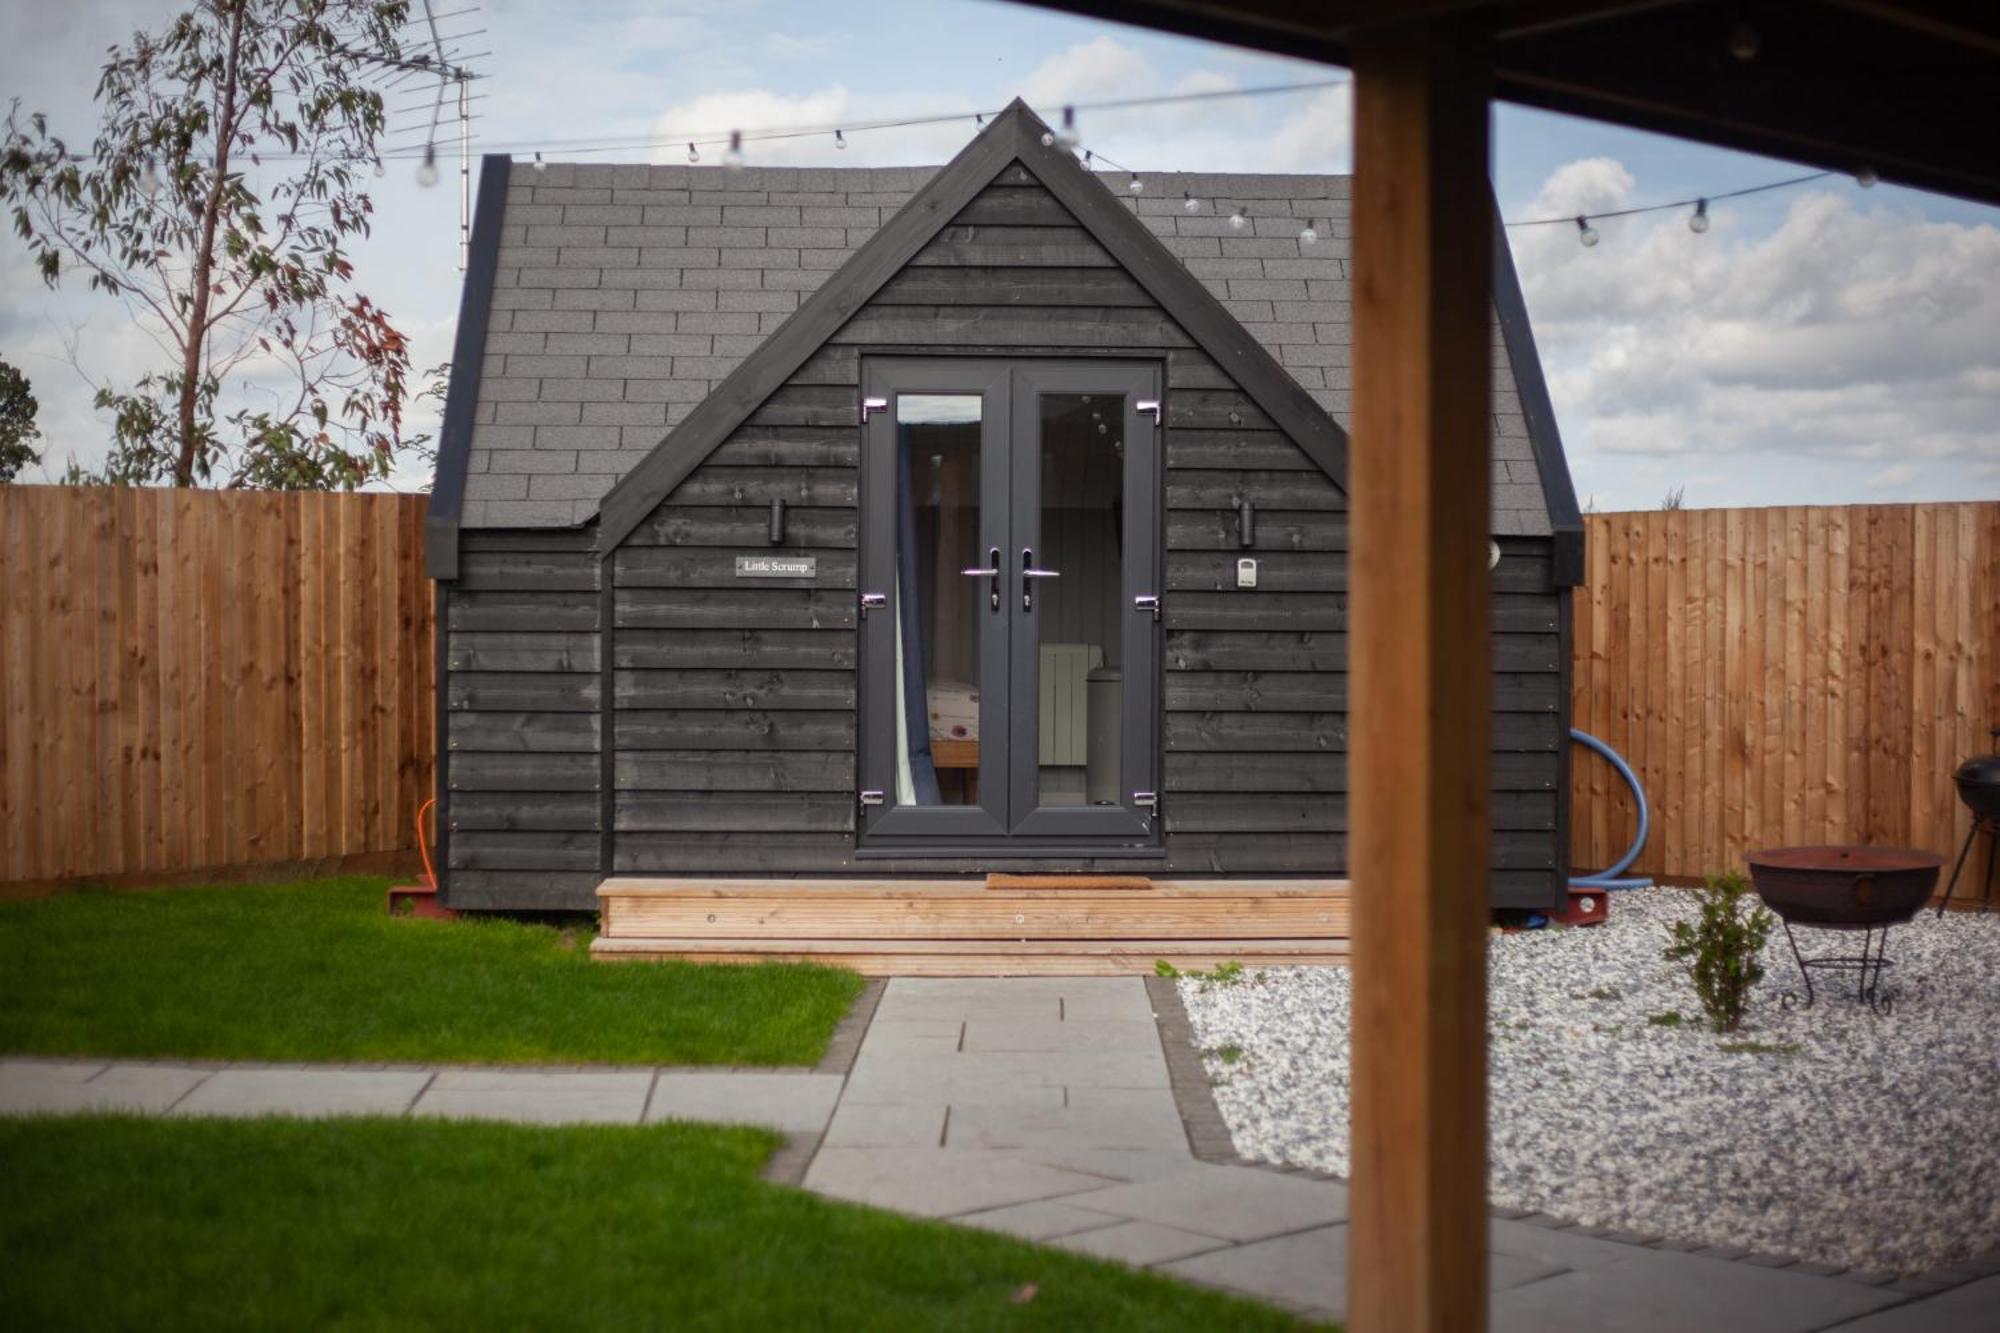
column 1043, row 1108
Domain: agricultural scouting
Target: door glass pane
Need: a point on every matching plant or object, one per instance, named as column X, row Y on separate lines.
column 939, row 608
column 1076, row 617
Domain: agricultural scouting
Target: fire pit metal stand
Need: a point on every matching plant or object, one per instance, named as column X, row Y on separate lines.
column 1867, row 966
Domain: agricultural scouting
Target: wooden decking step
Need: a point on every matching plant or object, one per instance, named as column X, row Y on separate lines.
column 985, row 958
column 1072, row 883
column 978, row 927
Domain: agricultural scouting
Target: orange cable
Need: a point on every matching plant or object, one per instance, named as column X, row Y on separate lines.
column 423, row 849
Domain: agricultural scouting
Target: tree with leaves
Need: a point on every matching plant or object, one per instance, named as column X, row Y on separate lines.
column 18, row 431
column 217, row 201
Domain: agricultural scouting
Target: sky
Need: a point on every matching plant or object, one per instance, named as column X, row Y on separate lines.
column 1826, row 344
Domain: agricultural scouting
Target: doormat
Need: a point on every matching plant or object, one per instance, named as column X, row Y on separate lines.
column 1078, row 883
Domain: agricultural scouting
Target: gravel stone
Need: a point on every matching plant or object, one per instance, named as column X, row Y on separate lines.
column 1840, row 1136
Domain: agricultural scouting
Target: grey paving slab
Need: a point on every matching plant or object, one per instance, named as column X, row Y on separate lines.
column 1662, row 1291
column 881, row 1089
column 1068, row 1035
column 1553, row 1248
column 915, row 1036
column 1094, row 1118
column 1232, row 1202
column 311, row 1093
column 938, row 1182
column 34, row 1087
column 549, row 1098
column 1306, row 1270
column 1093, row 999
column 1015, row 998
column 1976, row 1305
column 1041, row 1220
column 1512, row 1270
column 966, row 1076
column 1114, row 1164
column 888, row 1125
column 964, row 1006
column 1141, row 1244
column 789, row 1103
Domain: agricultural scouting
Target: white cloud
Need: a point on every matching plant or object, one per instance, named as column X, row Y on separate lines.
column 800, row 46
column 1847, row 336
column 1099, row 69
column 1320, row 137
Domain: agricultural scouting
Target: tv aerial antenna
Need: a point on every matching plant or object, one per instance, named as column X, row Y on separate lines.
column 432, row 79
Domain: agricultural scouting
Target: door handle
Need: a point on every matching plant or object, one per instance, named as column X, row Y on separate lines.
column 1029, row 574
column 991, row 571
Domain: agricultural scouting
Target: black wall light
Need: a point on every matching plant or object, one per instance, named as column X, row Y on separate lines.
column 777, row 521
column 1246, row 524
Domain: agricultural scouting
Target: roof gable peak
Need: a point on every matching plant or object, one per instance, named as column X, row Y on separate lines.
column 1017, row 135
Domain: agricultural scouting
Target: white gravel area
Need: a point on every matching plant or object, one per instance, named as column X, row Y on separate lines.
column 1839, row 1136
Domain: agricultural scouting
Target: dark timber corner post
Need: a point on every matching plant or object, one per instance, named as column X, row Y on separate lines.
column 447, row 501
column 1420, row 647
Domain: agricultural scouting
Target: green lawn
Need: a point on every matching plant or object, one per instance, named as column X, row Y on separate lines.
column 317, row 970
column 115, row 1222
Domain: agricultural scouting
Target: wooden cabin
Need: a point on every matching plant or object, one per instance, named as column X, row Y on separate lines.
column 812, row 544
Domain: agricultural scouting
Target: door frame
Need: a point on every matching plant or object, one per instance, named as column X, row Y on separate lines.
column 1008, row 820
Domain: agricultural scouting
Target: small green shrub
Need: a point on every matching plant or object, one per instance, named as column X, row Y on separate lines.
column 1721, row 950
column 1670, row 1019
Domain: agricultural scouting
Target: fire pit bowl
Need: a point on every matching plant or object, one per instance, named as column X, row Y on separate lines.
column 1844, row 888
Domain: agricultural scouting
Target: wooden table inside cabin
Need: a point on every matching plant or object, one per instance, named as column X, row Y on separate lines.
column 962, row 757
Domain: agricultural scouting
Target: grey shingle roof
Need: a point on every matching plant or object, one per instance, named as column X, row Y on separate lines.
column 624, row 294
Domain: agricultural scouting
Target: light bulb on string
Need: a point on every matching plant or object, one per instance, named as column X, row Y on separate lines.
column 1309, row 235
column 540, row 166
column 1744, row 43
column 734, row 159
column 694, row 154
column 427, row 174
column 1189, row 204
column 149, row 179
column 1238, row 220
column 1585, row 232
column 1068, row 136
column 381, row 169
column 840, row 140
column 1699, row 222
column 1135, row 185
column 1865, row 177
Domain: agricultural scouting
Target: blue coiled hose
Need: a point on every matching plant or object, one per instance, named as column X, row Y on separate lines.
column 1613, row 876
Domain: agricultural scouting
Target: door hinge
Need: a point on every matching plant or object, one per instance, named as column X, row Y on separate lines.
column 1149, row 603
column 871, row 601
column 872, row 405
column 872, row 798
column 1151, row 405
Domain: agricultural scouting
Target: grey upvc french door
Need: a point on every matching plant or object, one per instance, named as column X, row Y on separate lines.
column 1010, row 566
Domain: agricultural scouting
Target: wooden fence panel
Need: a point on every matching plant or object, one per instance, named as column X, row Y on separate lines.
column 199, row 680
column 1783, row 676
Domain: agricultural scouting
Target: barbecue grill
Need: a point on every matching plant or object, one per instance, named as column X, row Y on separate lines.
column 1978, row 782
column 1868, row 889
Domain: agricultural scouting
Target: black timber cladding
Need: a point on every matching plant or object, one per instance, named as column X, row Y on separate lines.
column 733, row 719
column 521, row 716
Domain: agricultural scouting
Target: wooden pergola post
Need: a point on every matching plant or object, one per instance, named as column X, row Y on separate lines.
column 1420, row 714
